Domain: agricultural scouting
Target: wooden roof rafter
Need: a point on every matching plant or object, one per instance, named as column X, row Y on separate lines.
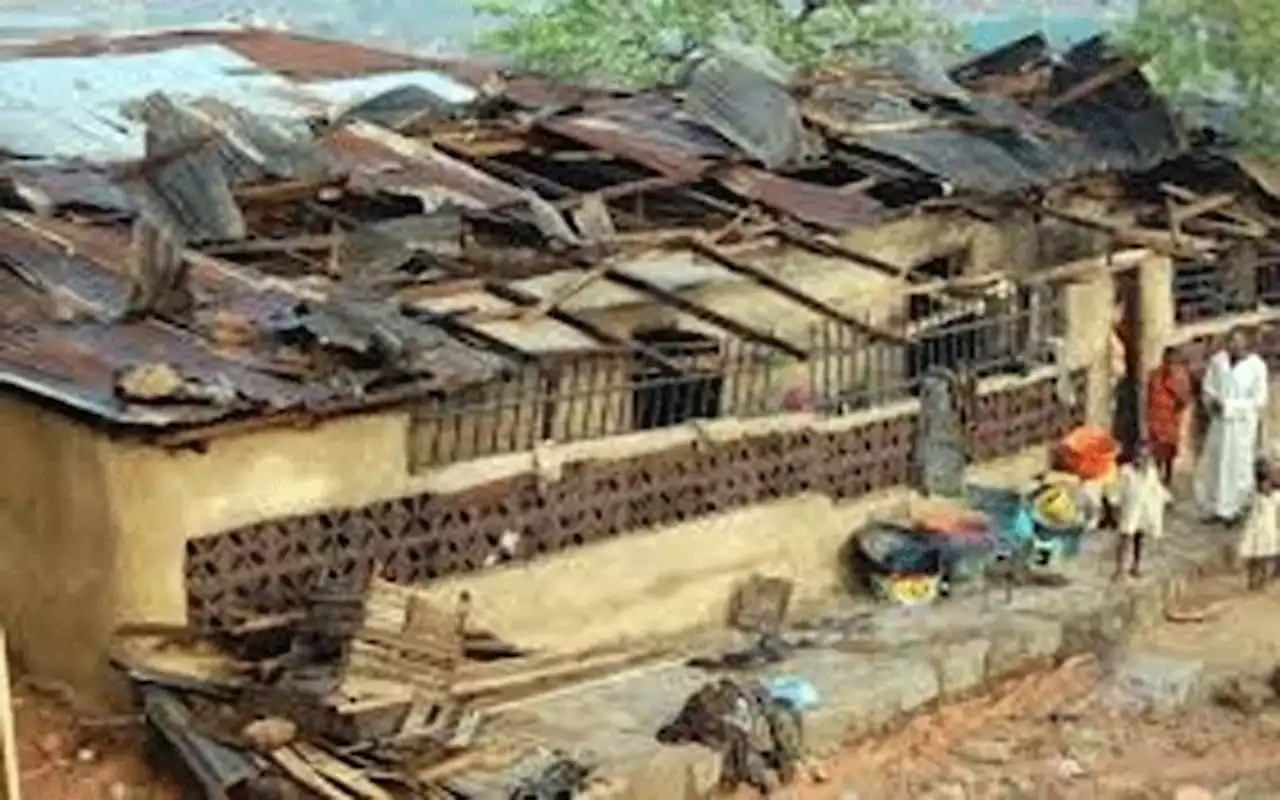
column 524, row 299
column 738, row 267
column 713, row 318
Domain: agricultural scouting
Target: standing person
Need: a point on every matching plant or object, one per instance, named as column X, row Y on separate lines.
column 1143, row 498
column 1169, row 396
column 1234, row 394
column 1259, row 541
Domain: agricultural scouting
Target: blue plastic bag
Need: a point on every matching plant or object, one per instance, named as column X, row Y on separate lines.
column 795, row 692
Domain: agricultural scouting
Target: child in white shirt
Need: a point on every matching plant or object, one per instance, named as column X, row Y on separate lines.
column 1143, row 499
column 1259, row 545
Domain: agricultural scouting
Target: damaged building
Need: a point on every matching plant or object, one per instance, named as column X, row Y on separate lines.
column 279, row 309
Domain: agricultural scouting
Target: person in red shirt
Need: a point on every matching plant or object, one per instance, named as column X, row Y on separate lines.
column 1169, row 396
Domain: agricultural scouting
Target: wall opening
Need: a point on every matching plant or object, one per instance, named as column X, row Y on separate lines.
column 660, row 399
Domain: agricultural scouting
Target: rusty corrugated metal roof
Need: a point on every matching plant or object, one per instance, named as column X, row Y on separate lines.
column 389, row 163
column 61, row 338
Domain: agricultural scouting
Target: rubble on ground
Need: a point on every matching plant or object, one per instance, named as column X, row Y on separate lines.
column 368, row 693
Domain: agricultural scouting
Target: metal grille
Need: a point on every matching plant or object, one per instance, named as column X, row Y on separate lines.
column 268, row 567
column 854, row 369
column 1213, row 290
column 592, row 397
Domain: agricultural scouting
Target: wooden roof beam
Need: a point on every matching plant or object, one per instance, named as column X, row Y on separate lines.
column 828, row 248
column 524, row 299
column 790, row 292
column 703, row 313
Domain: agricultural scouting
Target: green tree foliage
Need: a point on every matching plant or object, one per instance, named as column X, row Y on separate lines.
column 1217, row 48
column 632, row 42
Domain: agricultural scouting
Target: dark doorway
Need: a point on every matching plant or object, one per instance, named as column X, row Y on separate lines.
column 661, row 399
column 1126, row 419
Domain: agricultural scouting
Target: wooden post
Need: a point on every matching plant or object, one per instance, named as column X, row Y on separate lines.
column 12, row 778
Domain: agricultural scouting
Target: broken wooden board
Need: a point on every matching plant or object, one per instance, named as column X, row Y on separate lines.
column 297, row 768
column 340, row 773
column 760, row 604
column 504, row 681
column 406, row 638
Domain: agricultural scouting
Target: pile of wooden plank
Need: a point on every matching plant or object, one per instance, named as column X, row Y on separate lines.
column 411, row 712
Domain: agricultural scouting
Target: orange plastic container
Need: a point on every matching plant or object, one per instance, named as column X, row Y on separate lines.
column 1089, row 453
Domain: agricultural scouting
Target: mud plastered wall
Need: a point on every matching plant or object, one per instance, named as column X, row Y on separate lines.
column 269, row 567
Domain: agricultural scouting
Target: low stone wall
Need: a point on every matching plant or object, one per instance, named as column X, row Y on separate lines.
column 900, row 662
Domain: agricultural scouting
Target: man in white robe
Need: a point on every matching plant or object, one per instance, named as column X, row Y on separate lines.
column 1235, row 396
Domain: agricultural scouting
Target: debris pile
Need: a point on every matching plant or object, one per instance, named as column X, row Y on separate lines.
column 368, row 693
column 759, row 735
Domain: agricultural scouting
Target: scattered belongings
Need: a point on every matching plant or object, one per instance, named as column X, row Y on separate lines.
column 759, row 734
column 766, row 650
column 562, row 779
column 987, row 536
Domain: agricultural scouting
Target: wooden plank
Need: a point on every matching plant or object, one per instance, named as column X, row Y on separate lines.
column 283, row 192
column 1204, row 205
column 551, row 673
column 408, row 648
column 8, row 734
column 715, row 318
column 579, row 283
column 297, row 768
column 826, row 247
column 340, row 773
column 768, row 281
column 1187, row 196
column 1099, row 80
column 1158, row 240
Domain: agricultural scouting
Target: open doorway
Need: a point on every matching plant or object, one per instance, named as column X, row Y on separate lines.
column 1127, row 378
column 660, row 399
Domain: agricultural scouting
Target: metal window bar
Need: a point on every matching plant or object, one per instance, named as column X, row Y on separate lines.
column 850, row 370
column 1204, row 290
column 593, row 396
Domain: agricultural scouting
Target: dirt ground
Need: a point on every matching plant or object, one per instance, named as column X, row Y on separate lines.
column 1046, row 736
column 1051, row 736
column 64, row 755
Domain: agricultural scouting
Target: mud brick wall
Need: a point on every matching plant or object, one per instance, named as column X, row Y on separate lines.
column 267, row 567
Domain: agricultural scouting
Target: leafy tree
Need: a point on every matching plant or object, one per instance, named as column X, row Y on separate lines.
column 1222, row 49
column 639, row 42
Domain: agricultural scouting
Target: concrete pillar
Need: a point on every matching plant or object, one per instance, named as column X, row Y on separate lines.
column 1156, row 320
column 1155, row 298
column 1087, row 307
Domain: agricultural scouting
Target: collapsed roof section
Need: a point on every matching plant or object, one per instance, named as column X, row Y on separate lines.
column 354, row 228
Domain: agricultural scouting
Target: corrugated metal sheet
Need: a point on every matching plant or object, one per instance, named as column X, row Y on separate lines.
column 51, row 186
column 219, row 769
column 624, row 141
column 187, row 196
column 352, row 91
column 1121, row 127
column 382, row 162
column 259, row 146
column 749, row 106
column 76, row 362
column 825, row 206
column 73, row 107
